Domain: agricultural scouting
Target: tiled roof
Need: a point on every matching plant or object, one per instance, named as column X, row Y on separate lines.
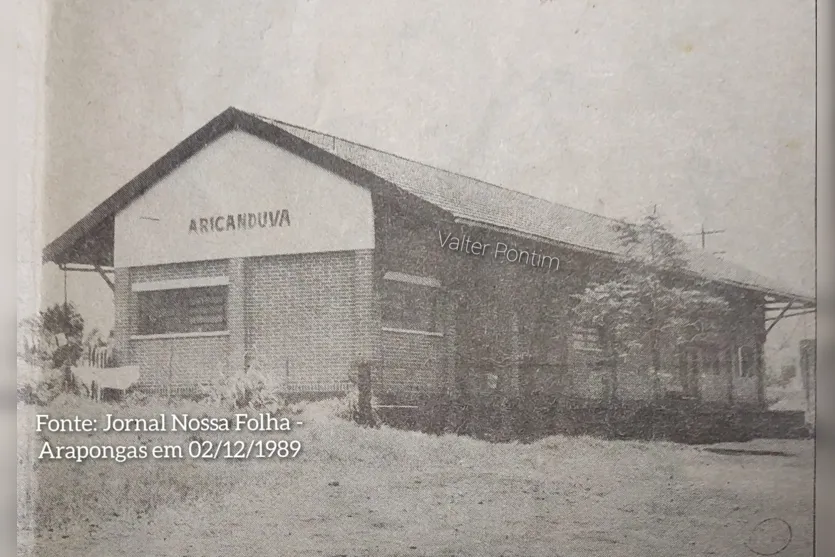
column 482, row 202
column 461, row 196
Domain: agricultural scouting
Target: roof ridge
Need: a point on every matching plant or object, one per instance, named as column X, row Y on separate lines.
column 549, row 223
column 691, row 252
column 452, row 172
column 688, row 249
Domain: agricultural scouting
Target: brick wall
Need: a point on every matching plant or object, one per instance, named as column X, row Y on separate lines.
column 411, row 362
column 123, row 309
column 309, row 320
column 179, row 363
column 492, row 295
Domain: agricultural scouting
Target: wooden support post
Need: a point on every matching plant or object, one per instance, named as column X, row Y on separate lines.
column 760, row 361
column 730, row 369
column 364, row 411
column 106, row 279
column 779, row 316
column 796, row 313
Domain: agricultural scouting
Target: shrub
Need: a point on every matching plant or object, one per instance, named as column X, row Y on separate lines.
column 54, row 335
column 348, row 408
column 136, row 398
column 38, row 385
column 242, row 389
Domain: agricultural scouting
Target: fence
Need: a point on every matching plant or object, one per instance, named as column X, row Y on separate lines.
column 97, row 356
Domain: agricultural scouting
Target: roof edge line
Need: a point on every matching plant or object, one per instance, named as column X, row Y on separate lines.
column 224, row 122
column 618, row 257
column 278, row 122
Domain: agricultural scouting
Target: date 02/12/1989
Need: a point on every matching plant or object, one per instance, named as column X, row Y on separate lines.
column 260, row 448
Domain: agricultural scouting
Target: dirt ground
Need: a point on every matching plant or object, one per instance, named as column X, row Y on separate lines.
column 383, row 492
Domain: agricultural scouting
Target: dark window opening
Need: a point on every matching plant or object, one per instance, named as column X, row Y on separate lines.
column 712, row 362
column 586, row 339
column 747, row 362
column 728, row 359
column 182, row 310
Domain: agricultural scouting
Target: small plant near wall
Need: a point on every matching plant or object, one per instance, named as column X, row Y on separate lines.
column 250, row 388
column 244, row 389
column 254, row 387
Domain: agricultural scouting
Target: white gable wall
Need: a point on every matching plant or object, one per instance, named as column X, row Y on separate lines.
column 243, row 177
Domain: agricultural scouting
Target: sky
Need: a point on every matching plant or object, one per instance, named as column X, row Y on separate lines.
column 704, row 108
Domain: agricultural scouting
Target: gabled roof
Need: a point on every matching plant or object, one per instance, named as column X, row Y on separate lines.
column 464, row 198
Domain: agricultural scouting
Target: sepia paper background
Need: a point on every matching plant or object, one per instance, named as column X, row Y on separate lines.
column 550, row 98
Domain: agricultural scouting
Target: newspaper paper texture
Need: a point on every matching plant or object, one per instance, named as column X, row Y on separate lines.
column 395, row 278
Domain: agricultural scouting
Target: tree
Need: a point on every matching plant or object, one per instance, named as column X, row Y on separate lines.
column 63, row 326
column 643, row 303
column 54, row 338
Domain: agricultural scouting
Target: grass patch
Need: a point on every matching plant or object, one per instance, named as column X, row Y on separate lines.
column 56, row 496
column 59, row 496
column 391, row 490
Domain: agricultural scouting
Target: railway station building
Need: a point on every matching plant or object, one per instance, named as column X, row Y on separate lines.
column 258, row 244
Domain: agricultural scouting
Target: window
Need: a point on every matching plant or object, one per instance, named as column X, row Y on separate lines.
column 182, row 310
column 410, row 303
column 728, row 361
column 747, row 359
column 585, row 339
column 693, row 362
column 712, row 360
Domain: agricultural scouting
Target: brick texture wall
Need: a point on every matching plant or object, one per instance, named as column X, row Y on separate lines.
column 309, row 318
column 306, row 319
column 176, row 363
column 122, row 323
column 411, row 362
column 509, row 315
column 180, row 363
